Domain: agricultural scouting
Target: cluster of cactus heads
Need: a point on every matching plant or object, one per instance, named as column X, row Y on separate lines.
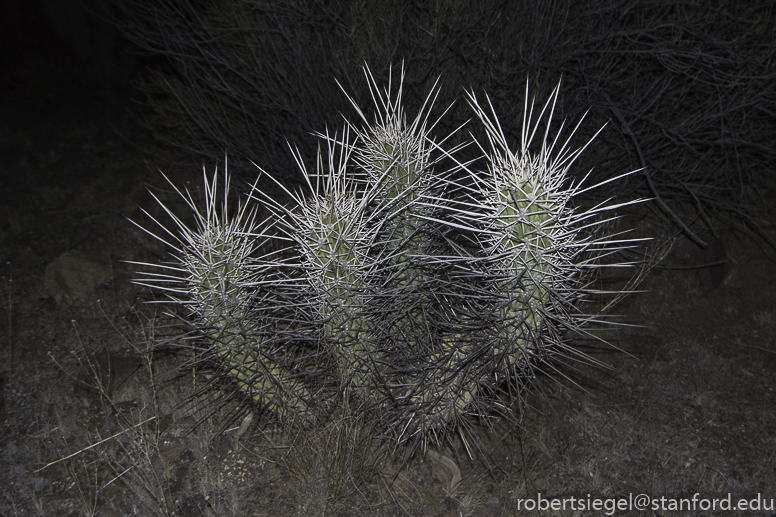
column 412, row 292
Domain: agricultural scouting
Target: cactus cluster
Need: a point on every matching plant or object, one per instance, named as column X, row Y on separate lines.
column 404, row 280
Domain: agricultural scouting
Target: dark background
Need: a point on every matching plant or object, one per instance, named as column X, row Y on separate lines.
column 688, row 407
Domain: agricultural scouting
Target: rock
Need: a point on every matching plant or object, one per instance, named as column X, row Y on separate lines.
column 76, row 275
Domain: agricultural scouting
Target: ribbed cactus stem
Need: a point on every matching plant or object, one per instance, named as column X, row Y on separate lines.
column 439, row 395
column 331, row 242
column 523, row 222
column 398, row 164
column 257, row 376
column 348, row 334
column 398, row 170
column 219, row 265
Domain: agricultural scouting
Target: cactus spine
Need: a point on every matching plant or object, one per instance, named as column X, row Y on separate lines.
column 372, row 298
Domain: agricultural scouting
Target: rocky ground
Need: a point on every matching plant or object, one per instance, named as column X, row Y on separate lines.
column 90, row 418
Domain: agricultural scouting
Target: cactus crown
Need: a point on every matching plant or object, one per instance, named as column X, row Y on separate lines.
column 415, row 293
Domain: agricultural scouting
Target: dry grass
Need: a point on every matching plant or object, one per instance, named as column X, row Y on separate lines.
column 670, row 420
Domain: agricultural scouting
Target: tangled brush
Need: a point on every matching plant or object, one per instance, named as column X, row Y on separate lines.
column 687, row 87
column 411, row 289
